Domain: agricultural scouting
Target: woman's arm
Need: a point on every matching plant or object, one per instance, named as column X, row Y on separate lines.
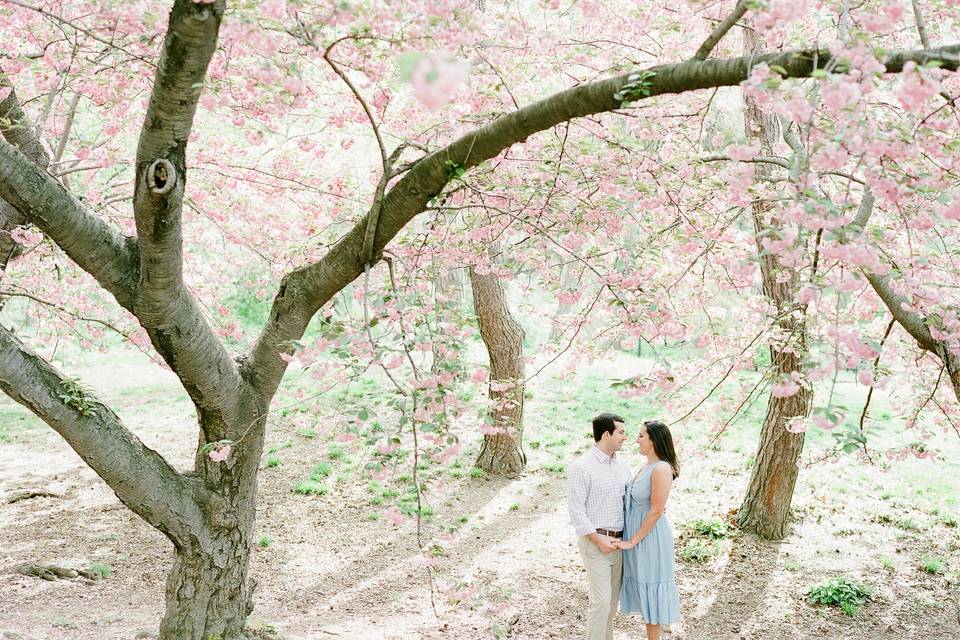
column 660, row 481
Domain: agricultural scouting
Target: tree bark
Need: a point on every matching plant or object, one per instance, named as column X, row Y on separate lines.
column 766, row 506
column 502, row 452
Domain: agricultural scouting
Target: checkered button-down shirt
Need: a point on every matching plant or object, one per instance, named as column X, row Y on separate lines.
column 596, row 484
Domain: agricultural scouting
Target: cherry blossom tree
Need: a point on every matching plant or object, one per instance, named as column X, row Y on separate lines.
column 265, row 72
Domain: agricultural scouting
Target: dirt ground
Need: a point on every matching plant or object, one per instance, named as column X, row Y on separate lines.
column 511, row 567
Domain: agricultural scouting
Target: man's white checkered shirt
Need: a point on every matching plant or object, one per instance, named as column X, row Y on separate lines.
column 596, row 484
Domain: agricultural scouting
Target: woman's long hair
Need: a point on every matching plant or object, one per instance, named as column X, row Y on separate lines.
column 663, row 444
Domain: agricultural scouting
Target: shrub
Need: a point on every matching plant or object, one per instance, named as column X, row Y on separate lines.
column 841, row 592
column 699, row 550
column 712, row 528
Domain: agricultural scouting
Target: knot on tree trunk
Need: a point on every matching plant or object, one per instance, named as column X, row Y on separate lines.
column 161, row 177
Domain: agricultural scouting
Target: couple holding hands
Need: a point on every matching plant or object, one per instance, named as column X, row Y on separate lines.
column 624, row 538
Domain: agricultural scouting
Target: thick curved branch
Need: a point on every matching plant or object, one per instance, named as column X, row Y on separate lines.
column 912, row 321
column 304, row 291
column 96, row 247
column 140, row 477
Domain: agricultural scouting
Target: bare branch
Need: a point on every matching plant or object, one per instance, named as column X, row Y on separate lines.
column 921, row 27
column 714, row 38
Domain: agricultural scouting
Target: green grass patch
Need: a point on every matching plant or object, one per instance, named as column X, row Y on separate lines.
column 100, row 569
column 310, row 488
column 841, row 592
column 933, row 565
column 711, row 527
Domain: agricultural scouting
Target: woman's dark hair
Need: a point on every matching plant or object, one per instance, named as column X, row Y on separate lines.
column 605, row 423
column 663, row 444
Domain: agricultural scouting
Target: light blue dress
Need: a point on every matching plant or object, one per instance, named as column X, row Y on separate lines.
column 648, row 587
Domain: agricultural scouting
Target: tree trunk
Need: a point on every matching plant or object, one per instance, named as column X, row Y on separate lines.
column 209, row 592
column 501, row 452
column 766, row 506
column 567, row 279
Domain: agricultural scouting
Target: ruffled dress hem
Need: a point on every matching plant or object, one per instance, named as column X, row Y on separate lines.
column 656, row 602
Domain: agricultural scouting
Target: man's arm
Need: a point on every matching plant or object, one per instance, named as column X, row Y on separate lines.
column 578, row 488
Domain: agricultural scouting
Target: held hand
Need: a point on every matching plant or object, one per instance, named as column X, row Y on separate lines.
column 605, row 544
column 623, row 545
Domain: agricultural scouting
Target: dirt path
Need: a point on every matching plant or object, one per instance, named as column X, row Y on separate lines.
column 329, row 572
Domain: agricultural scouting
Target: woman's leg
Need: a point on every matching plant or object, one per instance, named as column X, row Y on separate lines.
column 653, row 632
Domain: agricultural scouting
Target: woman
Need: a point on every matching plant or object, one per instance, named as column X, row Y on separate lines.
column 648, row 588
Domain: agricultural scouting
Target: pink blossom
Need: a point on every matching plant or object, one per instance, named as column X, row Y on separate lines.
column 952, row 212
column 865, row 377
column 26, row 236
column 916, row 87
column 878, row 22
column 806, row 295
column 394, row 516
column 220, row 453
column 784, row 389
column 479, row 376
column 742, row 152
column 435, row 80
column 840, row 94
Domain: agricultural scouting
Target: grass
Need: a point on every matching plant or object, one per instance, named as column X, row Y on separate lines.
column 320, row 471
column 310, row 488
column 932, row 565
column 101, row 569
column 264, row 541
column 841, row 592
column 272, row 461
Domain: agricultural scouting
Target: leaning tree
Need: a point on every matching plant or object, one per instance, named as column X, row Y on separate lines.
column 208, row 511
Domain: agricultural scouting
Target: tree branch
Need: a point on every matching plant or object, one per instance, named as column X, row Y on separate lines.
column 714, row 38
column 96, row 247
column 168, row 311
column 303, row 291
column 16, row 129
column 912, row 321
column 161, row 154
column 140, row 477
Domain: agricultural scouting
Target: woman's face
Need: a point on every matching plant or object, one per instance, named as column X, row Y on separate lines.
column 643, row 441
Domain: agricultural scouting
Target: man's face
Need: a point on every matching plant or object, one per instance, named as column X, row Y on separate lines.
column 618, row 437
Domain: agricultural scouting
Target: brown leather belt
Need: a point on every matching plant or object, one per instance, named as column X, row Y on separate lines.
column 612, row 534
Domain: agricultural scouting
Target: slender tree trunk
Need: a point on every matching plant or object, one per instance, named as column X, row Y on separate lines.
column 567, row 279
column 501, row 452
column 766, row 506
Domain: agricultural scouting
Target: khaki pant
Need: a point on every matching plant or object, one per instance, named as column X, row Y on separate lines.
column 604, row 573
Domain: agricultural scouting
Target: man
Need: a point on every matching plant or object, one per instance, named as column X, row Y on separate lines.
column 596, row 483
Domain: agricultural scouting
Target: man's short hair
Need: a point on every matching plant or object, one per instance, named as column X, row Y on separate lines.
column 605, row 423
